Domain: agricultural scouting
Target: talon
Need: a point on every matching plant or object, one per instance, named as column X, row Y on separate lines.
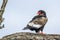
column 41, row 33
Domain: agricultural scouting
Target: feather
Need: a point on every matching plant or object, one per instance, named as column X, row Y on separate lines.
column 34, row 25
column 38, row 22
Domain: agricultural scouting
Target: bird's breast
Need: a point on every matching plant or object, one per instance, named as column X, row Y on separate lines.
column 42, row 20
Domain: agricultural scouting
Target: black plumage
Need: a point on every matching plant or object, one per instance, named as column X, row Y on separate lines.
column 38, row 22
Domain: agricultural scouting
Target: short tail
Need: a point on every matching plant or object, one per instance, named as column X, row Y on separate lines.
column 1, row 26
column 25, row 28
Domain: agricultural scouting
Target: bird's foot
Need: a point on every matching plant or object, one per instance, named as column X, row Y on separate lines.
column 41, row 33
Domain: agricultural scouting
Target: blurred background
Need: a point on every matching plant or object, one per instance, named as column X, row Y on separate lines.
column 19, row 12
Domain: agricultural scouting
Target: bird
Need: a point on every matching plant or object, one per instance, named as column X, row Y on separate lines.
column 38, row 22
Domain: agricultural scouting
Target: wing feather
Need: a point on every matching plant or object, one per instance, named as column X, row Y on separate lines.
column 38, row 22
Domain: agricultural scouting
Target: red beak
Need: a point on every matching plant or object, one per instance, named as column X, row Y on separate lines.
column 39, row 13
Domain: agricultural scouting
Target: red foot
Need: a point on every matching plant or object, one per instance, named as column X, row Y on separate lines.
column 41, row 33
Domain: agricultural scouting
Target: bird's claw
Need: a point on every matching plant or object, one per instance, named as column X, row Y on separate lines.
column 41, row 33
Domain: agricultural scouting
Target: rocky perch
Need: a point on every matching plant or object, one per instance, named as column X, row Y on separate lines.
column 31, row 36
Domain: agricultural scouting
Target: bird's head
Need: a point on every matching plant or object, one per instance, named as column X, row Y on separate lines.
column 41, row 12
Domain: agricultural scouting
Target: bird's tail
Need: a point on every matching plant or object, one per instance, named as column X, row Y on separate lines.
column 25, row 28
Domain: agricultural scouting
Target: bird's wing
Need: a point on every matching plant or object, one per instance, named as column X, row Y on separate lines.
column 35, row 17
column 31, row 24
column 38, row 22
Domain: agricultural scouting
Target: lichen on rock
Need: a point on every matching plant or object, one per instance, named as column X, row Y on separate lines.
column 31, row 36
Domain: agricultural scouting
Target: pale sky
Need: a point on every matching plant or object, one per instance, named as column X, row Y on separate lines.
column 19, row 12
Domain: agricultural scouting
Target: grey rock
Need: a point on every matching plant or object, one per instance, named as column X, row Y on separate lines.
column 31, row 36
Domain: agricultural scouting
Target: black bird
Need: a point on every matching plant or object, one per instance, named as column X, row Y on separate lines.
column 38, row 22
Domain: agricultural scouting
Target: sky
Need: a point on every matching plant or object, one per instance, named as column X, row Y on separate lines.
column 19, row 12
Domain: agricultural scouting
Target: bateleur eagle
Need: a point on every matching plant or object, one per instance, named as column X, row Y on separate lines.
column 38, row 22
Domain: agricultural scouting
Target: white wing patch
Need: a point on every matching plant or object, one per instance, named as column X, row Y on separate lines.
column 34, row 25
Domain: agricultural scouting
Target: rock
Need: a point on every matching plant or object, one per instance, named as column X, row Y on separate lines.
column 31, row 36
